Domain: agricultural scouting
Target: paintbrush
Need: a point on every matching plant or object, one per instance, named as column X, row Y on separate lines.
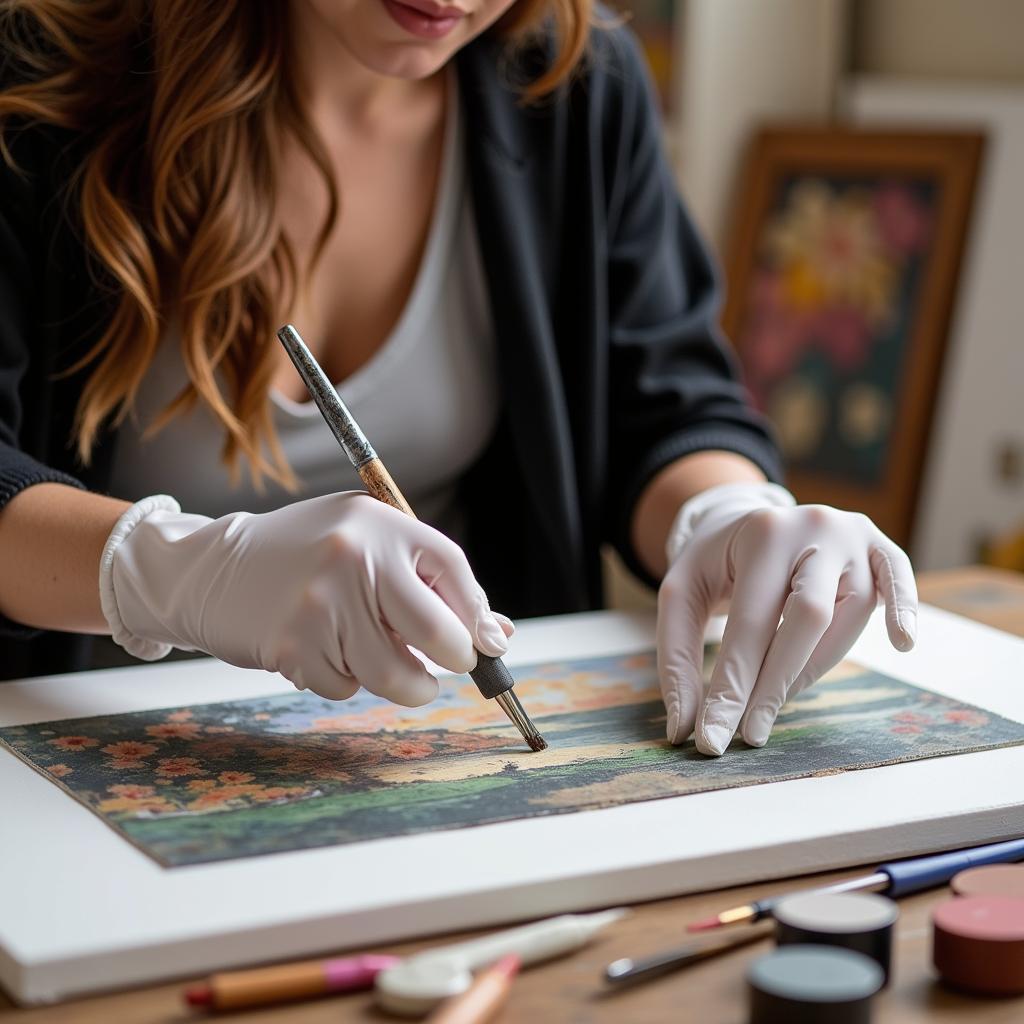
column 628, row 971
column 492, row 678
column 898, row 878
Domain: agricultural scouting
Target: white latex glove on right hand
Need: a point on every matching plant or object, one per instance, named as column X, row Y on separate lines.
column 327, row 591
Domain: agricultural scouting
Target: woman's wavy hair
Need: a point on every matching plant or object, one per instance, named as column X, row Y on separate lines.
column 181, row 105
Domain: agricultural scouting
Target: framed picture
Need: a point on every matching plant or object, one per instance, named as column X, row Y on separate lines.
column 842, row 274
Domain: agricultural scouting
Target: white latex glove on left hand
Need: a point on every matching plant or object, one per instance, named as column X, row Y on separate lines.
column 818, row 569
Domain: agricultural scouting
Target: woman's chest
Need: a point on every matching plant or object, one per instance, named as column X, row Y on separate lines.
column 352, row 298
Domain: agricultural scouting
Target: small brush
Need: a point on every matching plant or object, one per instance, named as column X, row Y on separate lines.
column 492, row 678
column 895, row 879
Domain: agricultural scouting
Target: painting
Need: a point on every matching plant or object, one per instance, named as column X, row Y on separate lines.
column 841, row 279
column 220, row 781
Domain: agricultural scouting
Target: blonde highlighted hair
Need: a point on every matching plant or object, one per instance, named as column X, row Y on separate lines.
column 183, row 104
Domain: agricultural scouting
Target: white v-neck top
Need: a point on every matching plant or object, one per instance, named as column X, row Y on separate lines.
column 427, row 399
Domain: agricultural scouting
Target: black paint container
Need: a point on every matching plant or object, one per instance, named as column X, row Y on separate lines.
column 861, row 921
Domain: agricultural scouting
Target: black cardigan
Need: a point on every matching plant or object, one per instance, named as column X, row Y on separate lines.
column 604, row 303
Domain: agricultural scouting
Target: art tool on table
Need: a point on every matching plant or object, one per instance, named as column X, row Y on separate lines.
column 978, row 944
column 899, row 878
column 417, row 985
column 812, row 985
column 283, row 983
column 482, row 1000
column 492, row 678
column 627, row 971
column 861, row 921
column 991, row 880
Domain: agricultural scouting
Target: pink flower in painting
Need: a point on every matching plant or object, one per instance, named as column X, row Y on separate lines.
column 907, row 729
column 179, row 716
column 966, row 716
column 843, row 332
column 220, row 728
column 129, row 750
column 73, row 742
column 235, row 777
column 912, row 718
column 773, row 343
column 131, row 792
column 174, row 730
column 904, row 222
column 261, row 717
column 176, row 766
column 58, row 771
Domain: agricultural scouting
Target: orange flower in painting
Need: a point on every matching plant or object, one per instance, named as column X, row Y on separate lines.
column 129, row 750
column 133, row 805
column 174, row 730
column 235, row 777
column 123, row 765
column 174, row 766
column 58, row 771
column 278, row 793
column 179, row 716
column 73, row 742
column 201, row 785
column 220, row 728
column 410, row 749
column 223, row 795
column 131, row 792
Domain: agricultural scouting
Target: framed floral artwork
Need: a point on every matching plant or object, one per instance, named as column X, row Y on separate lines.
column 842, row 274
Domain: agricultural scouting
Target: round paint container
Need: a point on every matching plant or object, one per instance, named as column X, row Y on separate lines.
column 812, row 985
column 861, row 921
column 978, row 944
column 991, row 880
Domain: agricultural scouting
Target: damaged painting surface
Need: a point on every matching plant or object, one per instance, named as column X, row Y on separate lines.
column 219, row 781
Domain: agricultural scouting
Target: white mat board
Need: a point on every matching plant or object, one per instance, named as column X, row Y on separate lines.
column 82, row 910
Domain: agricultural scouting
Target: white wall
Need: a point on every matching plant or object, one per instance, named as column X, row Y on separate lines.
column 740, row 62
column 978, row 39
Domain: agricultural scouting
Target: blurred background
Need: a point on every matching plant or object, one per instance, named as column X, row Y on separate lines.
column 858, row 167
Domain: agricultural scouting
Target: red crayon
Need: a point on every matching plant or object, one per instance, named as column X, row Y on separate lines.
column 287, row 982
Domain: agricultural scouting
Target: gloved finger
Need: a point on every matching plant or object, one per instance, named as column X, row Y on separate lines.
column 683, row 611
column 443, row 566
column 308, row 653
column 315, row 673
column 806, row 616
column 508, row 627
column 423, row 620
column 854, row 607
column 759, row 594
column 387, row 668
column 894, row 578
column 375, row 656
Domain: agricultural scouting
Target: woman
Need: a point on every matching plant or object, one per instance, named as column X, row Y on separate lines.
column 534, row 355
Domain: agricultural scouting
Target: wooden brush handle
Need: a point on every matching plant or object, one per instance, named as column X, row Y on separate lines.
column 379, row 483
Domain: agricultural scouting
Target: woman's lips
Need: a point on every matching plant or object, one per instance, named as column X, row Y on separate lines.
column 423, row 18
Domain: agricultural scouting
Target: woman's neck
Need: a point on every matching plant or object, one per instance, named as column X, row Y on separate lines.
column 335, row 84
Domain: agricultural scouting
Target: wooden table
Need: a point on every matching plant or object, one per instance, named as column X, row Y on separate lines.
column 570, row 990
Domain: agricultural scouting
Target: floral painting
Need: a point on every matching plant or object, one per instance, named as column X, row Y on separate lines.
column 830, row 311
column 219, row 781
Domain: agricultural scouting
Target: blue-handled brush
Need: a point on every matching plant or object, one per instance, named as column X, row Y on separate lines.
column 900, row 878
